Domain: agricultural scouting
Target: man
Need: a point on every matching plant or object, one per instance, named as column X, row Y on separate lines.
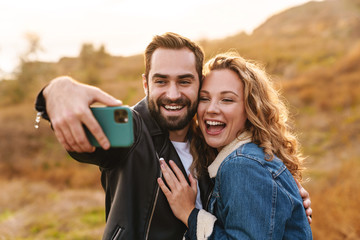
column 135, row 208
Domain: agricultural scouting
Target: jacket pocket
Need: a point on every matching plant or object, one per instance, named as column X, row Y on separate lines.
column 117, row 233
column 212, row 202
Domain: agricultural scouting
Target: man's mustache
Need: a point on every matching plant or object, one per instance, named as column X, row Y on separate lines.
column 167, row 101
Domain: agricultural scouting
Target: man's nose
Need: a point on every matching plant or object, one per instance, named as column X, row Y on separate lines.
column 173, row 92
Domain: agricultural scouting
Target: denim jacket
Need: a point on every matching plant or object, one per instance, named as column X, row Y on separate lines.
column 252, row 199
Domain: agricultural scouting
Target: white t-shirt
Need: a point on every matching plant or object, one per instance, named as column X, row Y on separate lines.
column 183, row 150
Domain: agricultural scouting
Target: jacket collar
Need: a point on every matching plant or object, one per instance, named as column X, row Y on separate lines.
column 244, row 137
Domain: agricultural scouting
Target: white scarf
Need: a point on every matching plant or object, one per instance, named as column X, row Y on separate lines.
column 244, row 137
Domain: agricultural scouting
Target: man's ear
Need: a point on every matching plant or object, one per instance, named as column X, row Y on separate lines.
column 145, row 84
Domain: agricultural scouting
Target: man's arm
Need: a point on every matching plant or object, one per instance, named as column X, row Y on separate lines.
column 67, row 106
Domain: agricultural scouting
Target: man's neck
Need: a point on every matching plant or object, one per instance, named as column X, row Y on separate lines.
column 179, row 135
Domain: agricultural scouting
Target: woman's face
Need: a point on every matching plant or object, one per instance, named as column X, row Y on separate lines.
column 221, row 111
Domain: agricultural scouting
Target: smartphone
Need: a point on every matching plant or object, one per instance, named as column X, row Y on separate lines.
column 117, row 124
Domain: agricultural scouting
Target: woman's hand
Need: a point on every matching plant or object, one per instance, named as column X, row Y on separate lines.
column 180, row 195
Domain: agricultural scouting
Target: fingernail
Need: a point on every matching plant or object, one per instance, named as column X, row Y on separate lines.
column 106, row 146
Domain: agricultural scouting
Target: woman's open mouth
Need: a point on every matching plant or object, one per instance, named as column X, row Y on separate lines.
column 214, row 127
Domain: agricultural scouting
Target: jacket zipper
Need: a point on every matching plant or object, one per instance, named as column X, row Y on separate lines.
column 153, row 207
column 117, row 233
column 208, row 199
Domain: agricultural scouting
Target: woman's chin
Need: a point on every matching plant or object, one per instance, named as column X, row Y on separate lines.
column 214, row 144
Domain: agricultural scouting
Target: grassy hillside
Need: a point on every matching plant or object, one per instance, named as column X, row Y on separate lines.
column 313, row 53
column 294, row 41
column 327, row 111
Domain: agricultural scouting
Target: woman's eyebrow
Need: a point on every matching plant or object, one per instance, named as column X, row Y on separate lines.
column 222, row 93
column 231, row 92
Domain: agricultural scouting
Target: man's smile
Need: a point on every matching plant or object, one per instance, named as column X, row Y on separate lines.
column 173, row 107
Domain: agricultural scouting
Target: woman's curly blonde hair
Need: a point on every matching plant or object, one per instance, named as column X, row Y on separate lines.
column 267, row 116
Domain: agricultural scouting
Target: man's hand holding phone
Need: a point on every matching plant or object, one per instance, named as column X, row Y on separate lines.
column 67, row 104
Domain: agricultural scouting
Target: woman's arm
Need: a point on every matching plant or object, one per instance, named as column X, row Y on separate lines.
column 180, row 195
column 244, row 204
column 248, row 202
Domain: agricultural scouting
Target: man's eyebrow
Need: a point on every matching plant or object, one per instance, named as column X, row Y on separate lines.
column 159, row 75
column 188, row 75
column 182, row 76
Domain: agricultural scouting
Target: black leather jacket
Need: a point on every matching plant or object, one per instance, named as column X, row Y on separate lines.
column 136, row 208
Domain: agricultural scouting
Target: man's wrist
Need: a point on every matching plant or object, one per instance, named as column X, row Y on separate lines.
column 59, row 80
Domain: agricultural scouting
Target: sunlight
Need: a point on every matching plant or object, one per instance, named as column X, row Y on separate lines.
column 124, row 26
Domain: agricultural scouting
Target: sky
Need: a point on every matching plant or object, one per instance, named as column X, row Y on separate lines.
column 125, row 27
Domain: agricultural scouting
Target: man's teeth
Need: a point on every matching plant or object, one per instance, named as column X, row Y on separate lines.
column 171, row 107
column 214, row 123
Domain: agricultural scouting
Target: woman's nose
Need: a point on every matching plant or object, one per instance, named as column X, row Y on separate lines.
column 213, row 107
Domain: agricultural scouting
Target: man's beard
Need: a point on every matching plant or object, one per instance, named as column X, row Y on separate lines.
column 172, row 123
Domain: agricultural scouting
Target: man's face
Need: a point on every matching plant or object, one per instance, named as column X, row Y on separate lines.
column 172, row 87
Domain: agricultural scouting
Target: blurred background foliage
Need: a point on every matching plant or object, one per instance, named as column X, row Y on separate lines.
column 313, row 54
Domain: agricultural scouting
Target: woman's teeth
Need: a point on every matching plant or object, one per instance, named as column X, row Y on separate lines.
column 214, row 123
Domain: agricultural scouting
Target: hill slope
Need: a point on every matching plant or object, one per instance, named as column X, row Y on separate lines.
column 293, row 41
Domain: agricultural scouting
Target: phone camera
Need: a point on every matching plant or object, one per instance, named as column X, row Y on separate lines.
column 121, row 116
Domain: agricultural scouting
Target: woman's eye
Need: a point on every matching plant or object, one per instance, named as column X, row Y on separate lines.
column 228, row 100
column 203, row 99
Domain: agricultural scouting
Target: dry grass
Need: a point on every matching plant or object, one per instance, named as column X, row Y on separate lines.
column 335, row 201
column 37, row 210
column 328, row 117
column 44, row 193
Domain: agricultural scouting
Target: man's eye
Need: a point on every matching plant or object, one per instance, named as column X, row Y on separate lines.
column 184, row 82
column 159, row 81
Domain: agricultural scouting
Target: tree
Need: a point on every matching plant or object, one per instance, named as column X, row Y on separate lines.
column 30, row 70
column 34, row 46
column 92, row 61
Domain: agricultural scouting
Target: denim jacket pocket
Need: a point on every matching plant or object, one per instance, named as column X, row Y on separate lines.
column 213, row 202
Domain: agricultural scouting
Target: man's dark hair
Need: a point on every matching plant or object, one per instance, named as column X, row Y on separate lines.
column 171, row 40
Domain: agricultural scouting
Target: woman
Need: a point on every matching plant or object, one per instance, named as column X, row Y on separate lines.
column 255, row 195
